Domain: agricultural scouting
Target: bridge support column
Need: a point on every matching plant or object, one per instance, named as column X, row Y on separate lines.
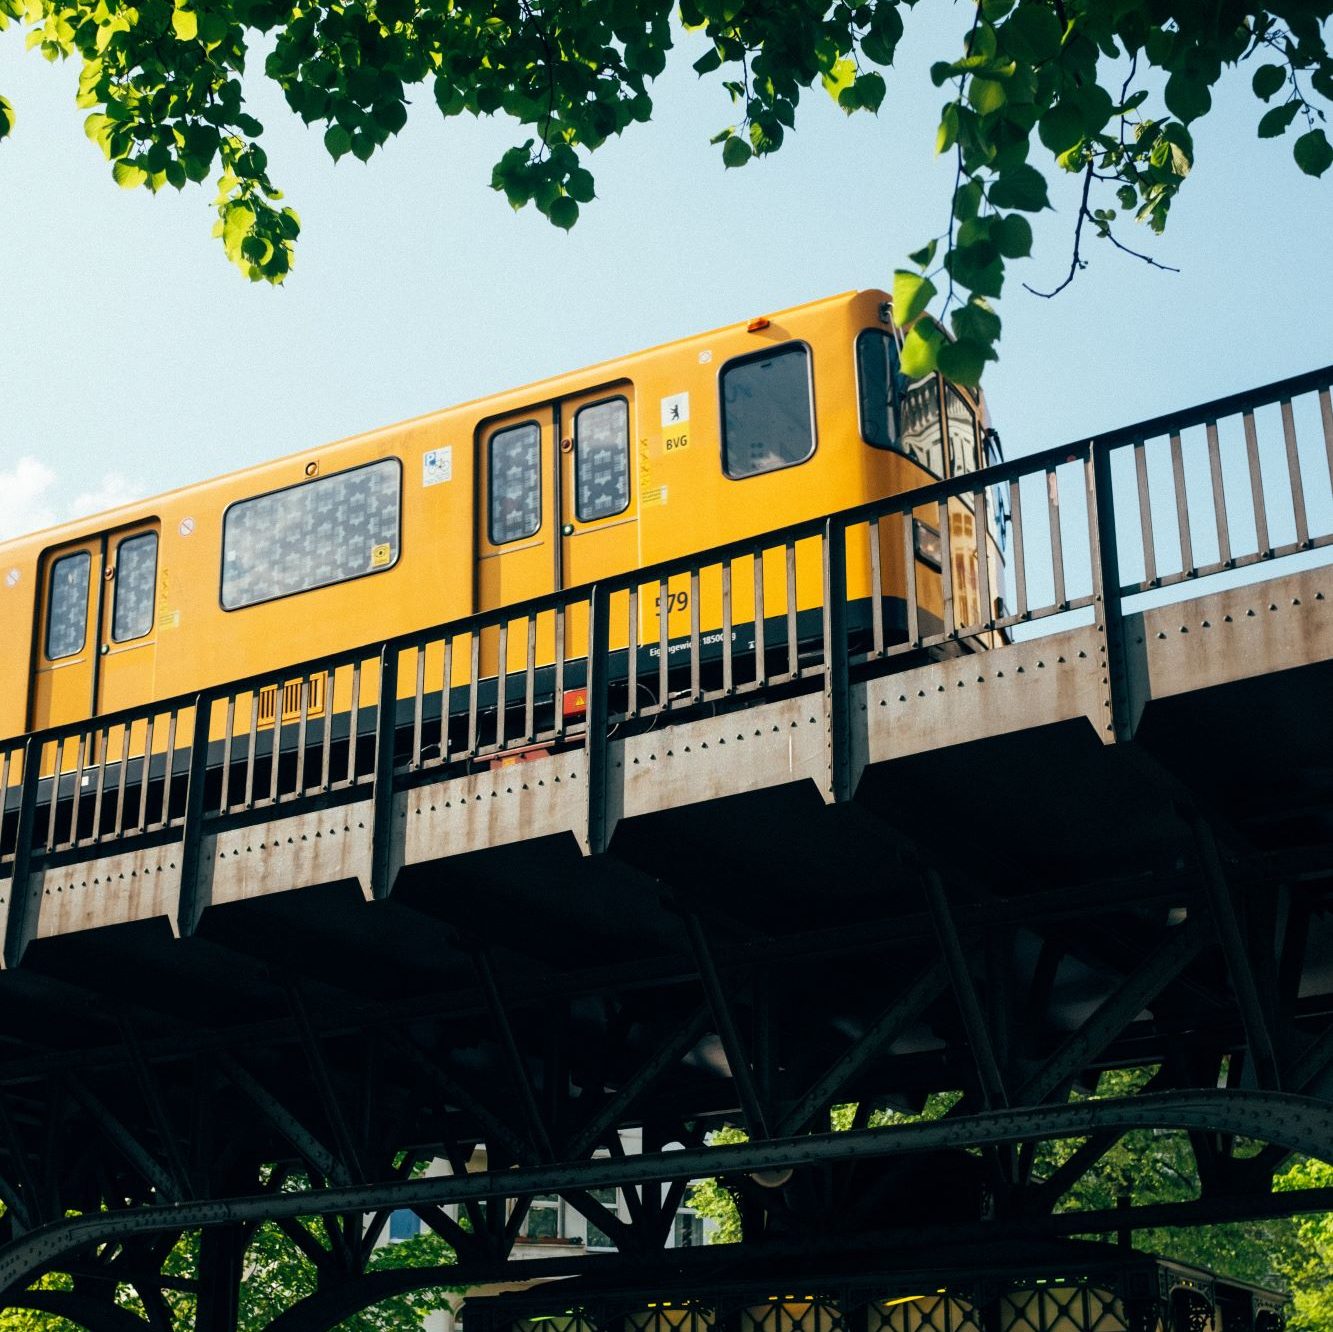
column 221, row 1250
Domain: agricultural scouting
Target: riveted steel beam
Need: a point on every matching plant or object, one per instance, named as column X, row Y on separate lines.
column 283, row 1120
column 1298, row 1123
column 905, row 1009
column 737, row 1060
column 328, row 1093
column 965, row 992
column 126, row 1143
column 1181, row 946
column 1258, row 1032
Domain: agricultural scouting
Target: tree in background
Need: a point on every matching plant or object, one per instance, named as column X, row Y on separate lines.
column 1293, row 1254
column 1102, row 90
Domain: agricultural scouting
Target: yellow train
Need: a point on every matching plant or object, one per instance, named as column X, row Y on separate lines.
column 716, row 437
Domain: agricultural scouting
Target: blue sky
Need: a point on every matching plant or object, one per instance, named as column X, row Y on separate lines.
column 136, row 359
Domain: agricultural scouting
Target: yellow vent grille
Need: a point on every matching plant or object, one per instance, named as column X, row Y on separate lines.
column 293, row 693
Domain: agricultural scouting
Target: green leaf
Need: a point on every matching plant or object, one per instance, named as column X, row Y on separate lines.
column 1031, row 33
column 128, row 176
column 922, row 257
column 911, row 294
column 1061, row 128
column 1127, row 196
column 1276, row 122
column 337, row 141
column 1013, row 236
column 1267, row 80
column 920, row 349
column 967, row 201
column 580, row 186
column 976, row 321
column 735, row 151
column 708, row 62
column 1187, row 96
column 948, row 131
column 986, row 95
column 6, row 117
column 185, row 23
column 840, row 75
column 1020, row 187
column 963, row 361
column 564, row 212
column 1312, row 152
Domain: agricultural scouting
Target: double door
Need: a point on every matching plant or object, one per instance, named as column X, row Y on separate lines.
column 556, row 506
column 96, row 627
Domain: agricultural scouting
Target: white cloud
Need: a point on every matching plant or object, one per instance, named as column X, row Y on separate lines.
column 26, row 501
column 113, row 489
column 31, row 497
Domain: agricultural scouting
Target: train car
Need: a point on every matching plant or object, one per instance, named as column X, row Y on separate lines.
column 720, row 436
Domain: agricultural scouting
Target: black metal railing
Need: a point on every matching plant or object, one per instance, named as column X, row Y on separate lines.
column 1172, row 500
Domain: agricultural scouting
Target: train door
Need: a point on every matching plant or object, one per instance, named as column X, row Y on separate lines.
column 599, row 530
column 96, row 627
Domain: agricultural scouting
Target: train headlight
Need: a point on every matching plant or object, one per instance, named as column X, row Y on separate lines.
column 926, row 540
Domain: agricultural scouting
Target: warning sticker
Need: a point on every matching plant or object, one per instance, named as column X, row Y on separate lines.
column 655, row 495
column 675, row 410
column 381, row 556
column 437, row 465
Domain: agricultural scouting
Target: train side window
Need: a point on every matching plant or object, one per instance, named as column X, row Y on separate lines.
column 877, row 380
column 311, row 535
column 767, row 421
column 67, row 611
column 136, row 583
column 601, row 459
column 514, row 483
column 962, row 428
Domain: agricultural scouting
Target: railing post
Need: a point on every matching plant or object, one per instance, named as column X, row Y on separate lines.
column 194, row 892
column 595, row 739
column 1119, row 725
column 837, row 684
column 24, row 905
column 381, row 838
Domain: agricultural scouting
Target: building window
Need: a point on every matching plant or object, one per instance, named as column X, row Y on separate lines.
column 311, row 535
column 687, row 1230
column 67, row 610
column 766, row 418
column 601, row 459
column 543, row 1219
column 404, row 1224
column 515, row 483
column 610, row 1199
column 136, row 583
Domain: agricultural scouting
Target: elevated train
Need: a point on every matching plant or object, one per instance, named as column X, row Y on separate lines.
column 712, row 438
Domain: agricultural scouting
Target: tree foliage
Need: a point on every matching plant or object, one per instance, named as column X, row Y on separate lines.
column 1104, row 90
column 1146, row 1166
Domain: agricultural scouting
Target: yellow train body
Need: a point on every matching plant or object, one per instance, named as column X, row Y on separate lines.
column 168, row 606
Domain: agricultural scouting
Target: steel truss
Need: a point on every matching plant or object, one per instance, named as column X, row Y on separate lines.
column 1082, row 901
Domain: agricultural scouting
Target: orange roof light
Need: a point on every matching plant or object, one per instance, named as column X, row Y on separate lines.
column 756, row 325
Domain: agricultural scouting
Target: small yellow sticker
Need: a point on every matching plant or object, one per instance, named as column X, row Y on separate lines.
column 170, row 620
column 380, row 556
column 654, row 495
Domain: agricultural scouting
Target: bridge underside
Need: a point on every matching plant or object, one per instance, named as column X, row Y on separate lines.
column 1008, row 903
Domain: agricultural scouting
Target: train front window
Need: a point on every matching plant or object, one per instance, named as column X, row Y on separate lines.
column 601, row 459
column 67, row 611
column 136, row 581
column 766, row 418
column 515, row 483
column 311, row 535
column 921, row 435
column 962, row 426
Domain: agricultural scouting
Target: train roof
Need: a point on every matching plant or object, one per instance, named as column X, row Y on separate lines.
column 535, row 393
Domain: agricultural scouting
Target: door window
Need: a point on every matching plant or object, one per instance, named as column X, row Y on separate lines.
column 515, row 483
column 136, row 584
column 766, row 417
column 67, row 611
column 601, row 459
column 962, row 425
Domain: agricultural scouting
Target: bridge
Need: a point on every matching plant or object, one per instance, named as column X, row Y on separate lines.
column 312, row 942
